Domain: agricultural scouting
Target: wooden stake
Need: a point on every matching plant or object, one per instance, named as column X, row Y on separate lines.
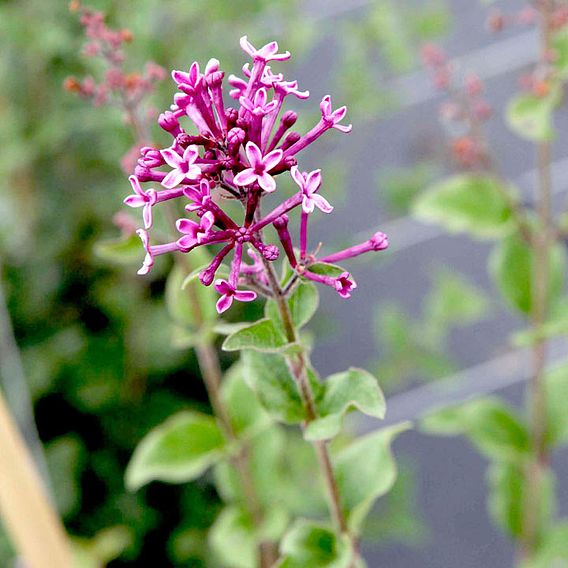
column 28, row 516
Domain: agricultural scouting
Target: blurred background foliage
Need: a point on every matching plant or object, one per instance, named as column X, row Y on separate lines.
column 94, row 338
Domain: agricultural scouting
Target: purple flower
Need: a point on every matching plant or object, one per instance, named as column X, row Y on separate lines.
column 190, row 82
column 183, row 166
column 309, row 184
column 259, row 167
column 333, row 117
column 152, row 251
column 141, row 198
column 229, row 293
column 344, row 284
column 269, row 52
column 195, row 233
column 291, row 88
column 259, row 106
column 197, row 196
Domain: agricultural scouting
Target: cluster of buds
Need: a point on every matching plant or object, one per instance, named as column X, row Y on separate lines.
column 125, row 90
column 224, row 153
column 465, row 110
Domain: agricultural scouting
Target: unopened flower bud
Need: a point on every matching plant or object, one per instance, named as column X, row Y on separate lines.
column 235, row 138
column 291, row 138
column 289, row 118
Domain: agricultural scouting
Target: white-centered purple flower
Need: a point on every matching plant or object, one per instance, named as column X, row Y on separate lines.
column 268, row 52
column 259, row 169
column 140, row 198
column 230, row 293
column 309, row 183
column 195, row 233
column 334, row 117
column 184, row 166
column 259, row 106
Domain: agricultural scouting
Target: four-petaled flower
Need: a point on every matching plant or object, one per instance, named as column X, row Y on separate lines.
column 197, row 196
column 183, row 166
column 230, row 293
column 259, row 167
column 141, row 198
column 194, row 233
column 190, row 82
column 269, row 52
column 309, row 183
column 333, row 117
column 258, row 106
column 344, row 284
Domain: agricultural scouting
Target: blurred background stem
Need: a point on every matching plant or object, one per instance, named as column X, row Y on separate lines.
column 542, row 241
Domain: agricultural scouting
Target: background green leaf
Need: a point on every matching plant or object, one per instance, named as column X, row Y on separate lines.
column 177, row 451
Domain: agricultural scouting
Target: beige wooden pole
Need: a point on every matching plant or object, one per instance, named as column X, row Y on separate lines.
column 27, row 514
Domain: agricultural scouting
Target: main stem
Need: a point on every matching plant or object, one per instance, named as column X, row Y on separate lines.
column 210, row 367
column 542, row 240
column 208, row 361
column 298, row 363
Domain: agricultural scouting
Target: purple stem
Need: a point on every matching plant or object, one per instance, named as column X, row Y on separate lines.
column 236, row 266
column 283, row 208
column 303, row 235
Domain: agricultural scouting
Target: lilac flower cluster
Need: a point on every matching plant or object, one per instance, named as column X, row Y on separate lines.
column 237, row 153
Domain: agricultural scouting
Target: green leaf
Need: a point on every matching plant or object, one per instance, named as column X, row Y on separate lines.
column 245, row 412
column 193, row 306
column 308, row 544
column 452, row 301
column 193, row 276
column 556, row 384
column 125, row 251
column 489, row 423
column 560, row 47
column 65, row 458
column 303, row 304
column 177, row 451
column 512, row 266
column 553, row 551
column 326, row 269
column 507, row 497
column 269, row 377
column 234, row 540
column 263, row 335
column 530, row 116
column 556, row 325
column 468, row 203
column 365, row 470
column 342, row 392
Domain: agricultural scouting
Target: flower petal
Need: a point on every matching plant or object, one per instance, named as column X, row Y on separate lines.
column 245, row 295
column 246, row 177
column 224, row 303
column 187, row 226
column 267, row 182
column 254, row 155
column 308, row 205
column 147, row 215
column 172, row 158
column 313, row 181
column 298, row 177
column 223, row 287
column 322, row 203
column 135, row 183
column 272, row 159
column 135, row 201
column 207, row 221
column 173, row 179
